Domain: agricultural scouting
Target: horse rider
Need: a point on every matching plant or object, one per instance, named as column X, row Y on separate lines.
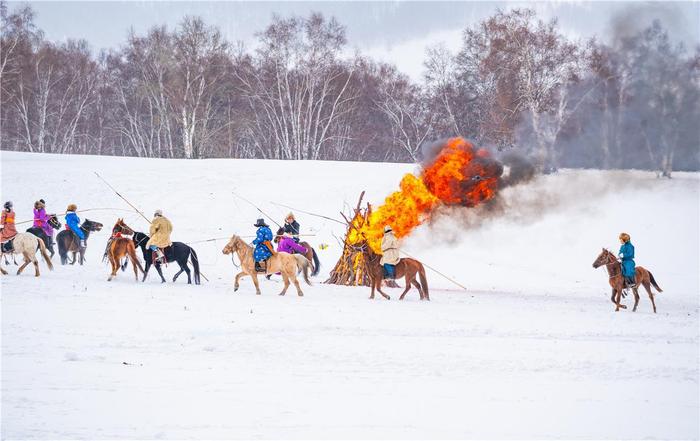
column 288, row 245
column 291, row 226
column 73, row 224
column 7, row 227
column 390, row 252
column 41, row 219
column 160, row 235
column 626, row 254
column 263, row 244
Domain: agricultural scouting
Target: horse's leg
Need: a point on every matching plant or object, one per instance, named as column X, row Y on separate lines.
column 187, row 271
column 254, row 275
column 147, row 266
column 115, row 265
column 415, row 283
column 296, row 283
column 285, row 279
column 82, row 256
column 238, row 277
column 647, row 286
column 36, row 267
column 24, row 265
column 371, row 284
column 177, row 274
column 2, row 270
column 74, row 258
column 160, row 272
column 636, row 298
column 612, row 297
column 408, row 287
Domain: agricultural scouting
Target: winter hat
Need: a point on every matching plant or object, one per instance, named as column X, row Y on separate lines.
column 39, row 204
column 158, row 212
column 624, row 237
column 8, row 205
column 261, row 223
column 387, row 229
column 72, row 207
column 42, row 201
column 290, row 216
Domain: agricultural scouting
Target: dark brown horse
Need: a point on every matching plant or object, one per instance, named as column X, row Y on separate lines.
column 617, row 282
column 406, row 267
column 122, row 246
column 68, row 241
column 310, row 253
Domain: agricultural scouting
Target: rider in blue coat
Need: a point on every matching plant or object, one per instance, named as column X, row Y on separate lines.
column 627, row 256
column 262, row 251
column 73, row 223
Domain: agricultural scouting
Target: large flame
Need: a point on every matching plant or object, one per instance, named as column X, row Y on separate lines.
column 459, row 175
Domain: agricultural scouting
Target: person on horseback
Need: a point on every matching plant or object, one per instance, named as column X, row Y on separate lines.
column 160, row 235
column 73, row 224
column 263, row 245
column 390, row 252
column 288, row 245
column 41, row 219
column 7, row 227
column 291, row 226
column 626, row 254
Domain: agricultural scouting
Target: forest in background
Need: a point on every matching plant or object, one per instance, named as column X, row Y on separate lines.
column 516, row 83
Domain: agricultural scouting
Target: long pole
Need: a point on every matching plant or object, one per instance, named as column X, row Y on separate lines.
column 81, row 211
column 309, row 213
column 122, row 197
column 132, row 206
column 257, row 208
column 430, row 267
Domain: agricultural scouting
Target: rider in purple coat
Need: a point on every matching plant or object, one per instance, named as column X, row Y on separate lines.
column 41, row 219
column 288, row 245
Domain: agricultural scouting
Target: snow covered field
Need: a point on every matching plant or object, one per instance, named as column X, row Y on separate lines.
column 533, row 349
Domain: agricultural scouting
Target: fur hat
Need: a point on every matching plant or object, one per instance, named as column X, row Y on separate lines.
column 290, row 215
column 261, row 223
column 158, row 212
column 72, row 207
column 387, row 228
column 624, row 237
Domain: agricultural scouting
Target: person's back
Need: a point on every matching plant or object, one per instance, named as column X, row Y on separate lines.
column 263, row 244
column 160, row 231
column 390, row 252
column 8, row 231
column 73, row 223
column 626, row 254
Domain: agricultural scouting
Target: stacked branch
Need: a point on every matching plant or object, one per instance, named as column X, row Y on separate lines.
column 351, row 269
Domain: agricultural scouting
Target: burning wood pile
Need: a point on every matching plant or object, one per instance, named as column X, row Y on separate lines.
column 454, row 174
column 351, row 268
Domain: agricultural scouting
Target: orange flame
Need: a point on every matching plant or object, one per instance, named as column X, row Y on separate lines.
column 459, row 175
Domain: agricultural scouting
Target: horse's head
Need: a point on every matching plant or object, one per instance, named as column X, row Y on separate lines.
column 54, row 222
column 89, row 225
column 234, row 244
column 121, row 227
column 604, row 258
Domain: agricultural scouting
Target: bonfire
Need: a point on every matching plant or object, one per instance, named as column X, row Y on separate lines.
column 457, row 175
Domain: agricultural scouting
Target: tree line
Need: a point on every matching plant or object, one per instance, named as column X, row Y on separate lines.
column 517, row 82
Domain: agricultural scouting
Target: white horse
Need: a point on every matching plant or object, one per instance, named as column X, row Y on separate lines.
column 286, row 264
column 27, row 244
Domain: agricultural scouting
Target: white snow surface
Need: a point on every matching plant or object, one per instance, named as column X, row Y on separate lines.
column 533, row 348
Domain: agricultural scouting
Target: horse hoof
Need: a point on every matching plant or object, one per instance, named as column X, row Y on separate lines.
column 258, row 293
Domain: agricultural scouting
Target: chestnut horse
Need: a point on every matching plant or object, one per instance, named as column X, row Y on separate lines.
column 284, row 263
column 406, row 267
column 617, row 282
column 120, row 247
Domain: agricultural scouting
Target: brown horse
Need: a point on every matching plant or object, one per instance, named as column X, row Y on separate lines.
column 617, row 282
column 120, row 247
column 284, row 263
column 68, row 241
column 310, row 253
column 406, row 267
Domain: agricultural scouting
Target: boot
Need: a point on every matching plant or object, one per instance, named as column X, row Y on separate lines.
column 160, row 257
column 630, row 282
column 83, row 244
column 259, row 268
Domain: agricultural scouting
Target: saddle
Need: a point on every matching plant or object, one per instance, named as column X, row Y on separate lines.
column 8, row 247
column 154, row 256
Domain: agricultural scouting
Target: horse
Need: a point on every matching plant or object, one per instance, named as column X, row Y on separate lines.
column 310, row 253
column 27, row 244
column 39, row 232
column 406, row 267
column 287, row 264
column 617, row 282
column 120, row 247
column 177, row 252
column 68, row 241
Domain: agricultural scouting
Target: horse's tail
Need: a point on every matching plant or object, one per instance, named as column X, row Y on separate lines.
column 423, row 280
column 195, row 265
column 317, row 263
column 131, row 251
column 46, row 257
column 653, row 282
column 304, row 263
column 62, row 251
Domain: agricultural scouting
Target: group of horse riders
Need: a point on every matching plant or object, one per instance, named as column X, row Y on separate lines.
column 287, row 238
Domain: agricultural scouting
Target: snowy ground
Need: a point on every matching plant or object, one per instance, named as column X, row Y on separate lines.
column 533, row 349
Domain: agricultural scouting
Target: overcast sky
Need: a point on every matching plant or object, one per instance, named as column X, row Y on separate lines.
column 394, row 31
